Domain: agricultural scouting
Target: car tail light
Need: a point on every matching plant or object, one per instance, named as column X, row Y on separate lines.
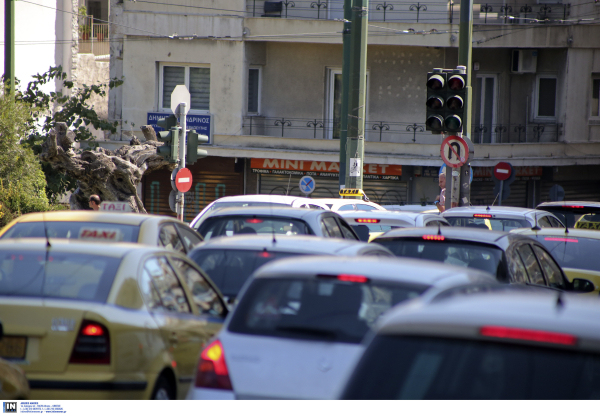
column 573, row 206
column 265, row 255
column 212, row 369
column 561, row 239
column 366, row 220
column 254, row 221
column 528, row 335
column 482, row 215
column 346, row 278
column 92, row 345
column 434, row 237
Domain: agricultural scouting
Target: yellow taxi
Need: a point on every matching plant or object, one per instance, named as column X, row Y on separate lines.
column 104, row 320
column 577, row 251
column 149, row 229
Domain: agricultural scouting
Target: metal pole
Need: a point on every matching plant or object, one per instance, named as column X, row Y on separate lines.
column 500, row 195
column 183, row 123
column 357, row 98
column 9, row 44
column 345, row 90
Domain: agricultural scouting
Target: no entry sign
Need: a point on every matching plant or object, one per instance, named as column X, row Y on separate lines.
column 454, row 151
column 183, row 180
column 502, row 171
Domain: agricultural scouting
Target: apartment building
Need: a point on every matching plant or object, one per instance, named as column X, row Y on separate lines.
column 265, row 84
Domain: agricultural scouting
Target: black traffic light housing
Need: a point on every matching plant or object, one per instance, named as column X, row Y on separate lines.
column 192, row 153
column 446, row 100
column 170, row 136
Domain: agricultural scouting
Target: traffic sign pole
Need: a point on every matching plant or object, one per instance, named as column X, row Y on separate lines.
column 183, row 123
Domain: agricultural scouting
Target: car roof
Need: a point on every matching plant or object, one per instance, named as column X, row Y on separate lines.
column 95, row 216
column 298, row 244
column 548, row 231
column 75, row 246
column 391, row 269
column 455, row 233
column 266, row 198
column 590, row 204
column 465, row 315
column 343, row 201
column 283, row 211
column 500, row 210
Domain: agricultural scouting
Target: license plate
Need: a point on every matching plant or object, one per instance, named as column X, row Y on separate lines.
column 13, row 347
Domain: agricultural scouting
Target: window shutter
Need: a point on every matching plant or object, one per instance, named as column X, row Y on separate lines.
column 172, row 76
column 200, row 88
column 253, row 90
column 547, row 97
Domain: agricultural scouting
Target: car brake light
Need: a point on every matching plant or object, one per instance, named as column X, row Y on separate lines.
column 366, row 220
column 528, row 335
column 573, row 206
column 254, row 221
column 353, row 278
column 92, row 345
column 482, row 215
column 561, row 239
column 212, row 369
column 265, row 255
column 434, row 237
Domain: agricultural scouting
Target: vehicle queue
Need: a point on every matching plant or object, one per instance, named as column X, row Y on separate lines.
column 282, row 297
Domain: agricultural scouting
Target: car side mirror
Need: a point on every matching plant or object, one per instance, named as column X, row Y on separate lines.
column 583, row 286
column 1, row 331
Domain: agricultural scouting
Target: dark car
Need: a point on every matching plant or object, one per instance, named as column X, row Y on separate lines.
column 511, row 258
column 575, row 214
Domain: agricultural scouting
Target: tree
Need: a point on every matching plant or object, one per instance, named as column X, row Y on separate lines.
column 22, row 181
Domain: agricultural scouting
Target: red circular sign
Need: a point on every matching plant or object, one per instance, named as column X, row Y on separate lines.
column 183, row 180
column 454, row 151
column 502, row 171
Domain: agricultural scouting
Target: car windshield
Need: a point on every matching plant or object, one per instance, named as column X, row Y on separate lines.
column 488, row 223
column 316, row 309
column 396, row 367
column 467, row 254
column 62, row 275
column 229, row 269
column 236, row 225
column 88, row 231
column 573, row 252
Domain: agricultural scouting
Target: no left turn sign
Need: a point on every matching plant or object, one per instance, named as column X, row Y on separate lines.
column 454, row 151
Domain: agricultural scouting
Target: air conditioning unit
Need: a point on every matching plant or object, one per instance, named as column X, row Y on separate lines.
column 524, row 61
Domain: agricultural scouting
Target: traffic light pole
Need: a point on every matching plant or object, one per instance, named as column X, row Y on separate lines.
column 347, row 39
column 9, row 45
column 355, row 148
column 182, row 148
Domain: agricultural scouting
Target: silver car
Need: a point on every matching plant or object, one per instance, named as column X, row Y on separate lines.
column 229, row 261
column 298, row 327
column 282, row 221
column 500, row 218
column 508, row 344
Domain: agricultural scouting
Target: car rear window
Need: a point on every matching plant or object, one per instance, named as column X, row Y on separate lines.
column 467, row 254
column 62, row 275
column 324, row 309
column 577, row 217
column 396, row 367
column 237, row 225
column 488, row 223
column 229, row 269
column 88, row 231
column 573, row 252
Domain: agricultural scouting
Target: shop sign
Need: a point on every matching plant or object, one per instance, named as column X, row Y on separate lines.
column 322, row 168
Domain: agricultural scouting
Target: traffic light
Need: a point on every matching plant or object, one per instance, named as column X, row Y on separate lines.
column 192, row 153
column 455, row 102
column 436, row 101
column 170, row 150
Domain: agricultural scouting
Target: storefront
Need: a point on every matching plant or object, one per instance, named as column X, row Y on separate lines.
column 381, row 182
column 213, row 177
column 522, row 190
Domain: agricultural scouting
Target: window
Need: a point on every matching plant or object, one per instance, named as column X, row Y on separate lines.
column 197, row 80
column 332, row 227
column 346, row 230
column 546, row 97
column 516, row 269
column 190, row 238
column 531, row 264
column 544, row 222
column 204, row 296
column 170, row 239
column 167, row 285
column 550, row 267
column 596, row 96
column 254, row 87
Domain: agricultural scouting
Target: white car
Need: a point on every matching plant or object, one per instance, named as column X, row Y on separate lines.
column 253, row 200
column 349, row 204
column 500, row 218
column 370, row 224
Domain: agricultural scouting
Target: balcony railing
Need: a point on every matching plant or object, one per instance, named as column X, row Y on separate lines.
column 93, row 37
column 414, row 11
column 396, row 132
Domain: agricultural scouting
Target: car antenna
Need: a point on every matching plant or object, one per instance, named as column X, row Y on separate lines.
column 439, row 229
column 535, row 226
column 494, row 200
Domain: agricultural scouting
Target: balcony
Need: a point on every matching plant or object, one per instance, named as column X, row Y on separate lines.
column 94, row 38
column 397, row 132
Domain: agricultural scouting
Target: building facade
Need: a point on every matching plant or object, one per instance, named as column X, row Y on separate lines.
column 265, row 83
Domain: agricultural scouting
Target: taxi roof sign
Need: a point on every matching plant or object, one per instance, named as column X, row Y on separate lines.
column 351, row 192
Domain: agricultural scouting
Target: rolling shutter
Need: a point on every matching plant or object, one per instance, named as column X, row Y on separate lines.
column 482, row 194
column 200, row 88
column 574, row 190
column 172, row 76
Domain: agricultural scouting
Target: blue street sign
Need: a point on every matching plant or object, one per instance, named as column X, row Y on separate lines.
column 307, row 184
column 201, row 123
